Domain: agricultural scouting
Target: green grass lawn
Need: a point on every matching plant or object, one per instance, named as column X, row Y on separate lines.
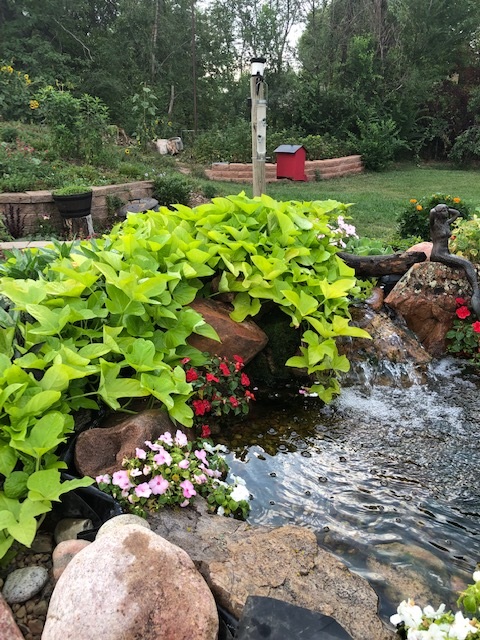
column 378, row 198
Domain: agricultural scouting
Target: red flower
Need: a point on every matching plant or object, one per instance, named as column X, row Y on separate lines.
column 249, row 395
column 233, row 401
column 245, row 380
column 460, row 302
column 224, row 369
column 476, row 326
column 462, row 312
column 185, row 360
column 205, row 431
column 211, row 378
column 191, row 375
column 238, row 359
column 201, row 407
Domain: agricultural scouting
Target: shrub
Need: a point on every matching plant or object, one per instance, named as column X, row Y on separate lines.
column 15, row 87
column 378, row 142
column 414, row 221
column 172, row 189
column 10, row 134
column 466, row 148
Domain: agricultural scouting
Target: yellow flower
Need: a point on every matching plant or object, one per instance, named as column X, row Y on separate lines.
column 413, row 201
column 34, row 104
column 27, row 78
column 7, row 68
column 457, row 200
column 127, row 151
column 419, row 207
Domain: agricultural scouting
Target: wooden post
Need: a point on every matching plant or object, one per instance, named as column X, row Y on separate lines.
column 258, row 118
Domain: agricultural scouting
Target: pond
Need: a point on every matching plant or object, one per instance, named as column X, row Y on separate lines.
column 387, row 477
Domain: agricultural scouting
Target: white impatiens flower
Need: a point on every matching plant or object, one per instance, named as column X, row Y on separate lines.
column 476, row 576
column 409, row 613
column 430, row 612
column 461, row 627
column 240, row 493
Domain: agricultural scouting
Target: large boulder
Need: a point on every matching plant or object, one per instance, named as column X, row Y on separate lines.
column 425, row 297
column 245, row 338
column 131, row 583
column 285, row 563
column 101, row 450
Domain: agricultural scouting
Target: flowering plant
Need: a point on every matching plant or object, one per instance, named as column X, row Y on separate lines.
column 415, row 220
column 220, row 388
column 464, row 337
column 171, row 471
column 414, row 623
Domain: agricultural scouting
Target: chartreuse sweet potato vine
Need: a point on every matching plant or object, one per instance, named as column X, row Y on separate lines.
column 109, row 321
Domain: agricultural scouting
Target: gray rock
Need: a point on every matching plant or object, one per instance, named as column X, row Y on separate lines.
column 68, row 528
column 131, row 583
column 138, row 206
column 23, row 584
column 120, row 521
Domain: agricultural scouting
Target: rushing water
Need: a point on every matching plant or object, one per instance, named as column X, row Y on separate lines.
column 387, row 477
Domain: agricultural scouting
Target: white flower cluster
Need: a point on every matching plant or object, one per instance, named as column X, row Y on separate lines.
column 428, row 624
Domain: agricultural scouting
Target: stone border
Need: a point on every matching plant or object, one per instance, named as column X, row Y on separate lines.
column 314, row 170
column 33, row 206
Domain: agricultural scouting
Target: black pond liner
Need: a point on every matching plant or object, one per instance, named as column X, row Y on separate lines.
column 270, row 619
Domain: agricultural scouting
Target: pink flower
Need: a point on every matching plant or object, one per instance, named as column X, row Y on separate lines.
column 184, row 464
column 202, row 455
column 185, row 503
column 463, row 312
column 143, row 490
column 245, row 380
column 166, row 438
column 187, row 488
column 106, row 478
column 200, row 479
column 180, row 439
column 224, row 369
column 162, row 457
column 476, row 326
column 158, row 485
column 141, row 454
column 147, row 469
column 121, row 479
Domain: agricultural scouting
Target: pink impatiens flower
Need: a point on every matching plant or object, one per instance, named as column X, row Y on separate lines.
column 158, row 485
column 121, row 479
column 180, row 439
column 202, row 455
column 105, row 479
column 184, row 464
column 166, row 438
column 143, row 490
column 162, row 457
column 187, row 488
column 141, row 454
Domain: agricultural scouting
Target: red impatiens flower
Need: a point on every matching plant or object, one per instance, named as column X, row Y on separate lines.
column 238, row 359
column 201, row 407
column 185, row 360
column 224, row 369
column 249, row 395
column 211, row 378
column 191, row 375
column 233, row 401
column 245, row 380
column 476, row 326
column 460, row 302
column 463, row 312
column 205, row 431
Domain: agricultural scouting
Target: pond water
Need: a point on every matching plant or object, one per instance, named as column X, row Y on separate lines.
column 387, row 477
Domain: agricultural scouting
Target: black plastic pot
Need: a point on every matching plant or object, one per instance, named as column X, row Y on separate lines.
column 77, row 205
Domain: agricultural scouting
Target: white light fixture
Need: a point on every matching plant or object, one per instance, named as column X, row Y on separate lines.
column 258, row 66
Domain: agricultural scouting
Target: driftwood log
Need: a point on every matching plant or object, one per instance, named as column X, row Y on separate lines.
column 376, row 266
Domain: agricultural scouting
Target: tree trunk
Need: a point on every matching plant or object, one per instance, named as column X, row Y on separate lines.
column 376, row 266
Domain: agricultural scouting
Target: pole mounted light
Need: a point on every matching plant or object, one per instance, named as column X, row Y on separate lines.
column 259, row 124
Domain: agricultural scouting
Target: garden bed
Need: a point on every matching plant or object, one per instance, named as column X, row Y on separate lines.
column 28, row 210
column 314, row 169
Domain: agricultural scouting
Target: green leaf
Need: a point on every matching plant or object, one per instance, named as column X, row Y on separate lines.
column 47, row 485
column 46, row 434
column 8, row 459
column 37, row 405
column 15, row 485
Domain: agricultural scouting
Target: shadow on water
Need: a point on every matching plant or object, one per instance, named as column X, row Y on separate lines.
column 387, row 478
